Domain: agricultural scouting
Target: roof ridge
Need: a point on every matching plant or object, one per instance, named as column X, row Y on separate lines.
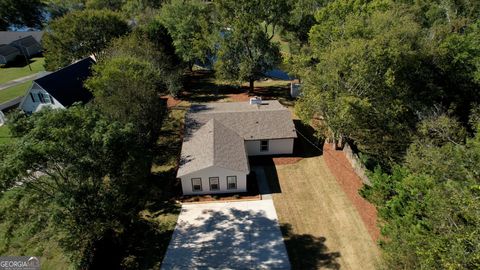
column 63, row 68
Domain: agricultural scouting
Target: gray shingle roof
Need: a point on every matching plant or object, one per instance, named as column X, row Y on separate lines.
column 6, row 50
column 7, row 37
column 213, row 144
column 271, row 120
column 215, row 133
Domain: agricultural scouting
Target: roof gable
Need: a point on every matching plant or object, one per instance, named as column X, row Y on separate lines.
column 267, row 121
column 8, row 50
column 212, row 145
column 66, row 84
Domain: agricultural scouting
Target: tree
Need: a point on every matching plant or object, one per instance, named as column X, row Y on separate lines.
column 58, row 8
column 90, row 168
column 430, row 205
column 80, row 34
column 190, row 23
column 246, row 50
column 126, row 89
column 371, row 69
column 21, row 13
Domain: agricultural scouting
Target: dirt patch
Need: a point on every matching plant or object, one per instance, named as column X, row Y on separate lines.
column 286, row 160
column 171, row 101
column 351, row 184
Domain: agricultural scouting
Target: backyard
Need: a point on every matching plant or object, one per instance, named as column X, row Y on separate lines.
column 19, row 69
column 14, row 91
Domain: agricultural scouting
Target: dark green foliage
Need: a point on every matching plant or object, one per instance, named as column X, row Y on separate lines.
column 126, row 90
column 21, row 13
column 92, row 169
column 246, row 50
column 372, row 69
column 80, row 34
column 431, row 205
column 190, row 24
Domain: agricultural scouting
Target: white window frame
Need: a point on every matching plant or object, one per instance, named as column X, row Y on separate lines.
column 228, row 183
column 193, row 184
column 210, row 183
column 267, row 146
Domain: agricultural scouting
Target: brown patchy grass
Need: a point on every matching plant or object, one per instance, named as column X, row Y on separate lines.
column 311, row 203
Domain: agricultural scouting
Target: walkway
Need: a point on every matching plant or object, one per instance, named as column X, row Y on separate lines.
column 233, row 235
column 263, row 187
column 11, row 83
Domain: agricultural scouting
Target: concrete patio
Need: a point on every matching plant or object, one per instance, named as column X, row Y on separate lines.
column 231, row 235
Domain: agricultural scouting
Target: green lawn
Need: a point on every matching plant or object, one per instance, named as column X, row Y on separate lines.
column 14, row 91
column 8, row 73
column 5, row 136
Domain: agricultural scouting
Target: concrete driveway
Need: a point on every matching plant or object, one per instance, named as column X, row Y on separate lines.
column 228, row 235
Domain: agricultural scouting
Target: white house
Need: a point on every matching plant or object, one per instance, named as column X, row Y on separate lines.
column 219, row 137
column 59, row 89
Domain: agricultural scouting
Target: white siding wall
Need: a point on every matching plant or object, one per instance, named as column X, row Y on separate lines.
column 275, row 147
column 29, row 106
column 214, row 172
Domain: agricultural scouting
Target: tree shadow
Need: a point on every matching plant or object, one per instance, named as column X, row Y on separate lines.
column 307, row 251
column 20, row 62
column 242, row 239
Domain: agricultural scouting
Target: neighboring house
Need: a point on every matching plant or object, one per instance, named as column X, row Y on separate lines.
column 28, row 46
column 8, row 53
column 28, row 42
column 59, row 89
column 7, row 37
column 219, row 137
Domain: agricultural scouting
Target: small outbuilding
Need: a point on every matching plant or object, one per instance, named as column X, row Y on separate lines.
column 219, row 137
column 8, row 53
column 59, row 89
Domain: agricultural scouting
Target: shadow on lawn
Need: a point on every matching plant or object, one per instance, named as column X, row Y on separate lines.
column 202, row 88
column 307, row 251
column 20, row 62
column 249, row 238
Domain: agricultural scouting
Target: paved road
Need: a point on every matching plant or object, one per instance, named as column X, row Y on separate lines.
column 227, row 235
column 11, row 83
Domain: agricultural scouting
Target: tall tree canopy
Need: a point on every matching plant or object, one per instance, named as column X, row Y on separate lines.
column 246, row 50
column 373, row 68
column 191, row 25
column 21, row 13
column 431, row 204
column 79, row 34
column 90, row 168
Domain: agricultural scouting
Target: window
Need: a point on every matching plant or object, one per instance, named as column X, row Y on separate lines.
column 263, row 146
column 41, row 97
column 231, row 182
column 33, row 98
column 51, row 99
column 214, row 183
column 197, row 184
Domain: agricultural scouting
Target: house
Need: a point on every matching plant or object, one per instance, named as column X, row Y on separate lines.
column 28, row 46
column 7, row 37
column 28, row 42
column 59, row 89
column 219, row 137
column 8, row 53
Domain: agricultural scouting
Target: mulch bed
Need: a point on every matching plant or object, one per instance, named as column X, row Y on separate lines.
column 286, row 160
column 351, row 184
column 171, row 101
